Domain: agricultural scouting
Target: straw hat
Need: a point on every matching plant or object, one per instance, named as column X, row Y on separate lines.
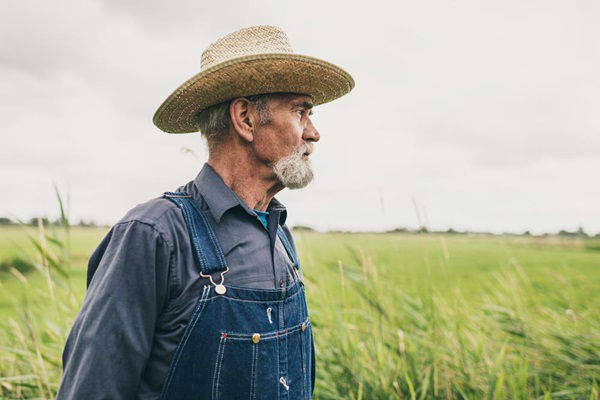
column 253, row 60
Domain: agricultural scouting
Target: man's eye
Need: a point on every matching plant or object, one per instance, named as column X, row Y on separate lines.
column 302, row 112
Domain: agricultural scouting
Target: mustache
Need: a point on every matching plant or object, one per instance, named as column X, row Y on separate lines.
column 306, row 148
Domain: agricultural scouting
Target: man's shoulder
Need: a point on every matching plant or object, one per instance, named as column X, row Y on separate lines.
column 150, row 212
column 159, row 214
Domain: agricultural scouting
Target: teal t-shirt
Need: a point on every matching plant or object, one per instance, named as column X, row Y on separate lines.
column 262, row 215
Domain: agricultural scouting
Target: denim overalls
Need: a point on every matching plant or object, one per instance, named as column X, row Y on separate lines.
column 240, row 343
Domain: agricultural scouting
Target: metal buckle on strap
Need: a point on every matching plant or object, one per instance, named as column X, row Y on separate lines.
column 219, row 288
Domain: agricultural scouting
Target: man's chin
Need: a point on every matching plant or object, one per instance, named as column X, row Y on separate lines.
column 294, row 171
column 294, row 179
column 301, row 185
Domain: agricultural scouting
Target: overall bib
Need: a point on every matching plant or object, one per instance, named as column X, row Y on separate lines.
column 240, row 343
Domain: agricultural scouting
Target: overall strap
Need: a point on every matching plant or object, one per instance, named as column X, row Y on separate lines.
column 207, row 250
column 288, row 246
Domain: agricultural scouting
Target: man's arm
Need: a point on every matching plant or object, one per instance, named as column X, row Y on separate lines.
column 111, row 338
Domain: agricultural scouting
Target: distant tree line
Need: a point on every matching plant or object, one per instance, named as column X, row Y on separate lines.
column 46, row 222
column 580, row 232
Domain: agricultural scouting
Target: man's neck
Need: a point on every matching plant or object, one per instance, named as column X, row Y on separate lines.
column 255, row 186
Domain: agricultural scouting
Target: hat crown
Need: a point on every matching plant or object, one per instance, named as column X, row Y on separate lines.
column 262, row 39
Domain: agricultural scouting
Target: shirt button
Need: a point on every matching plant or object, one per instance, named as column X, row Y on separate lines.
column 281, row 283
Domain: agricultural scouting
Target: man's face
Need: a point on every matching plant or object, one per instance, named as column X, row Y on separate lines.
column 286, row 140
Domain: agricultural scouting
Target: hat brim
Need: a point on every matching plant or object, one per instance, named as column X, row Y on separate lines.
column 249, row 75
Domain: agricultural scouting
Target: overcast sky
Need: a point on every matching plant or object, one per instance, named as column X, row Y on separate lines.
column 484, row 114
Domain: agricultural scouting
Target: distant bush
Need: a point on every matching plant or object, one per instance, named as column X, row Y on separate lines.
column 85, row 223
column 398, row 230
column 578, row 232
column 302, row 228
column 34, row 221
column 451, row 231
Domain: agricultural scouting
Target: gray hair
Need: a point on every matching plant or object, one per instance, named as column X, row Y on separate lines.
column 213, row 122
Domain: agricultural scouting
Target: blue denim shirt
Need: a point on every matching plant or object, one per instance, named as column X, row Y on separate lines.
column 143, row 284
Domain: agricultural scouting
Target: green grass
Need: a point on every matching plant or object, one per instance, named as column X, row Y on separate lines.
column 453, row 316
column 16, row 244
column 395, row 315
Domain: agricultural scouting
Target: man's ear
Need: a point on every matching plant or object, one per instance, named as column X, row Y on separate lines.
column 242, row 118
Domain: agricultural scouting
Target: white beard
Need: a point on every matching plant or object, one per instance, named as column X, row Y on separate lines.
column 293, row 171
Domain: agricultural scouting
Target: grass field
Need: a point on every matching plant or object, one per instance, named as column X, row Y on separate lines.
column 418, row 316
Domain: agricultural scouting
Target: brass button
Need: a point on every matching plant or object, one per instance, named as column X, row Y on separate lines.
column 303, row 326
column 256, row 338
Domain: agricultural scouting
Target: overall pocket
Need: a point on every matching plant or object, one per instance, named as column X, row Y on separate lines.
column 246, row 366
column 263, row 366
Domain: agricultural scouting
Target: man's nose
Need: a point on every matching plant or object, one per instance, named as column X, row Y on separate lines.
column 311, row 133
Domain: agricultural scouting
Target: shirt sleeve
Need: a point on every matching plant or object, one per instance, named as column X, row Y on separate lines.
column 111, row 338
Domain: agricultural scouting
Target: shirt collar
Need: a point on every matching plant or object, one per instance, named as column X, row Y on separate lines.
column 220, row 198
column 276, row 206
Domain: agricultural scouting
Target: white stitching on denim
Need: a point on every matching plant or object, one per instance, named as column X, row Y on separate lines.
column 213, row 237
column 303, row 391
column 192, row 209
column 194, row 234
column 288, row 300
column 268, row 335
column 253, row 370
column 204, row 301
column 218, row 363
column 269, row 314
column 277, row 358
column 188, row 331
column 281, row 316
column 188, row 217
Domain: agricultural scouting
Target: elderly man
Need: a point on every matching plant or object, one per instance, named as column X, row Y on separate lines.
column 199, row 293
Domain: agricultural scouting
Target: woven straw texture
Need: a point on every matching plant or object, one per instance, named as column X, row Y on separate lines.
column 250, row 61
